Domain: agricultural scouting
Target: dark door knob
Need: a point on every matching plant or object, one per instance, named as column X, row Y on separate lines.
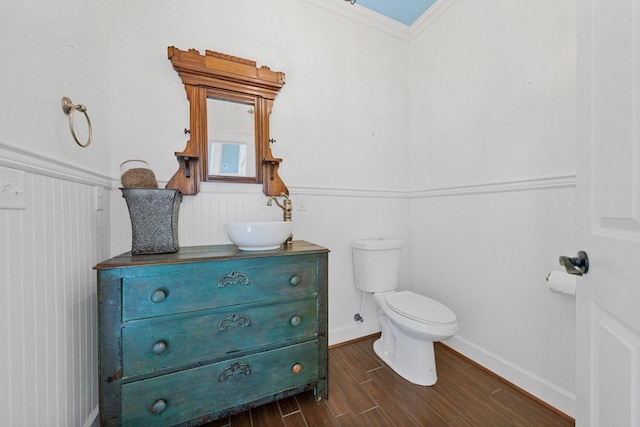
column 577, row 265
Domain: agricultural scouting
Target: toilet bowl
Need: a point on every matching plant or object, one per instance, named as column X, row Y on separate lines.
column 410, row 322
column 408, row 333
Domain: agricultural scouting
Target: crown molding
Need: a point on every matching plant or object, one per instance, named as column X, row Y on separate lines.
column 431, row 15
column 364, row 16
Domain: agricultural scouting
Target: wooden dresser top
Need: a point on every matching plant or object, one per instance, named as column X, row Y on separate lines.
column 207, row 253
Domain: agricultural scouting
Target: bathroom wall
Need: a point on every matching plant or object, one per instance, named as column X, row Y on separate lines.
column 49, row 243
column 383, row 131
column 493, row 180
column 51, row 50
column 341, row 123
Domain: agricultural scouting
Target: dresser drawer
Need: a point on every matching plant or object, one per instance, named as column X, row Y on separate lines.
column 180, row 397
column 172, row 341
column 196, row 286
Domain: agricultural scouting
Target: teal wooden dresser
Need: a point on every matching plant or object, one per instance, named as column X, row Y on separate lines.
column 188, row 337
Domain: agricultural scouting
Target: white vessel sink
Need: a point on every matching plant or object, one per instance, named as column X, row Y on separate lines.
column 258, row 236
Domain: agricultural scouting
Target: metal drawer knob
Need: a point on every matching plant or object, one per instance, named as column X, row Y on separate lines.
column 295, row 280
column 159, row 347
column 296, row 369
column 158, row 296
column 295, row 321
column 159, row 406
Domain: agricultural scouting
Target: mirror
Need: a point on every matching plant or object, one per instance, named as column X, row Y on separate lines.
column 230, row 102
column 232, row 143
column 227, row 158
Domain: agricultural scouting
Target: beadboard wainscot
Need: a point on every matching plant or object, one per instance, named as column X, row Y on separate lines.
column 49, row 319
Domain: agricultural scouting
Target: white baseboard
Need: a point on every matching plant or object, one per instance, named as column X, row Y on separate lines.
column 544, row 390
column 352, row 332
column 539, row 387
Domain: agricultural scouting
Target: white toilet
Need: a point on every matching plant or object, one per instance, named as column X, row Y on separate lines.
column 410, row 322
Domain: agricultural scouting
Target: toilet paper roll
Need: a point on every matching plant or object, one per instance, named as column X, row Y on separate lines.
column 562, row 283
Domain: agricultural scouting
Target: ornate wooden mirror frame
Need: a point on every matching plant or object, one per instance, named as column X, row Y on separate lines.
column 225, row 77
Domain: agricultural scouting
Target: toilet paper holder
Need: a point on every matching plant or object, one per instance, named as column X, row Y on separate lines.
column 577, row 265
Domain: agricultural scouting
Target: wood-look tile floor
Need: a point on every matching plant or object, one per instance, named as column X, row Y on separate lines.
column 363, row 391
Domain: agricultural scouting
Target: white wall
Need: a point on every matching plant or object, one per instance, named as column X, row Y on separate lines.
column 492, row 169
column 51, row 50
column 337, row 122
column 341, row 122
column 48, row 359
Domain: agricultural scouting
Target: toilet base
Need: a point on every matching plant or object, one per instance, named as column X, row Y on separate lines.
column 414, row 360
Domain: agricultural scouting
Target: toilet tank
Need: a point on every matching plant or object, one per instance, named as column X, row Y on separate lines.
column 376, row 264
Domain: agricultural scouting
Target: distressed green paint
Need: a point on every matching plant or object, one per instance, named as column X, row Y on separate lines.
column 268, row 325
column 196, row 392
column 195, row 286
column 170, row 325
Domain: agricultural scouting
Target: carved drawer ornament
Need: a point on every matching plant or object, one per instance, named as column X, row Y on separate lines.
column 233, row 278
column 234, row 321
column 235, row 369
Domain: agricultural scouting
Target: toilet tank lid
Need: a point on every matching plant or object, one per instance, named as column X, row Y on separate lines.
column 377, row 244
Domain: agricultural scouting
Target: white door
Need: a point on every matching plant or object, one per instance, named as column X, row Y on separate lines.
column 608, row 213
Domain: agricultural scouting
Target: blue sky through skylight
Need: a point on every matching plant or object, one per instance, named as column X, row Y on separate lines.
column 404, row 11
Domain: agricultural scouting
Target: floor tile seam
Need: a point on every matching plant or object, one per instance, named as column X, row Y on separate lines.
column 381, row 410
column 346, row 368
column 375, row 369
column 366, row 381
column 518, row 415
column 471, row 417
column 358, row 383
column 333, row 413
column 316, row 403
column 364, row 390
column 452, row 384
column 293, row 413
column 282, row 414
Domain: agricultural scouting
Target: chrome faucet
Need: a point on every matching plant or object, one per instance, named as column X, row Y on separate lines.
column 286, row 206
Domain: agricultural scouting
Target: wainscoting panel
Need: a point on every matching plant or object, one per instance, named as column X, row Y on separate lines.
column 485, row 250
column 48, row 296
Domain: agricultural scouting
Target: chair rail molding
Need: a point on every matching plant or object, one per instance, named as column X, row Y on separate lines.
column 29, row 161
column 530, row 184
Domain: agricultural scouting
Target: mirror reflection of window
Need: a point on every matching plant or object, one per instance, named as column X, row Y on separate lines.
column 232, row 139
column 227, row 158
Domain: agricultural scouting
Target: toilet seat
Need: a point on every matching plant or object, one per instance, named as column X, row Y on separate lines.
column 420, row 308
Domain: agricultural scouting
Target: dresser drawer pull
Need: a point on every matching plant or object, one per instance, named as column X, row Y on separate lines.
column 295, row 321
column 159, row 348
column 236, row 368
column 296, row 369
column 234, row 321
column 159, row 407
column 158, row 296
column 295, row 280
column 233, row 278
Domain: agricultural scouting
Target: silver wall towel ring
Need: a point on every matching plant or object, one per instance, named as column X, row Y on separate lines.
column 69, row 108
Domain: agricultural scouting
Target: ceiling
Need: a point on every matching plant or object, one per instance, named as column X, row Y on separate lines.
column 403, row 11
